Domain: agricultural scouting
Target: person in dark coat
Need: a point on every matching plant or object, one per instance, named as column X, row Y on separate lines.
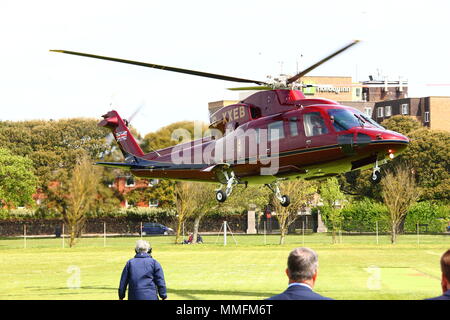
column 143, row 275
column 445, row 278
column 302, row 274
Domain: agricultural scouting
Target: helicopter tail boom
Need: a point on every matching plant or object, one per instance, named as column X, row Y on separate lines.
column 122, row 134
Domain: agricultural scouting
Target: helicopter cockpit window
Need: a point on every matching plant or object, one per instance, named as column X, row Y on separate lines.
column 343, row 119
column 314, row 124
column 273, row 128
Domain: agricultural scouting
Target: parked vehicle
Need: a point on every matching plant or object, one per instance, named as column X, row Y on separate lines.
column 155, row 228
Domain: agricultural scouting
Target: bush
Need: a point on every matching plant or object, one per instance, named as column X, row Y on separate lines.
column 435, row 214
column 362, row 216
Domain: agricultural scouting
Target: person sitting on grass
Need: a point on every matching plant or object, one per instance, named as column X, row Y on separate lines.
column 302, row 268
column 190, row 239
column 445, row 278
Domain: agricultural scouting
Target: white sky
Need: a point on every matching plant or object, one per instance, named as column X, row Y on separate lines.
column 246, row 39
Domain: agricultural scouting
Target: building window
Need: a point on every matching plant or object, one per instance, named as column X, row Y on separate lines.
column 153, row 203
column 358, row 92
column 427, row 116
column 405, row 108
column 129, row 182
column 293, row 126
column 275, row 126
column 388, row 111
column 368, row 111
column 380, row 112
column 314, row 124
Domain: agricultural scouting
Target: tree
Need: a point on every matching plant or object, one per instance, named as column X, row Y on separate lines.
column 162, row 138
column 301, row 192
column 54, row 146
column 428, row 154
column 17, row 181
column 185, row 204
column 203, row 194
column 76, row 196
column 399, row 192
column 333, row 200
column 401, row 124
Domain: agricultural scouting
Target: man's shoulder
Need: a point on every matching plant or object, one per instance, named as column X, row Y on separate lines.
column 445, row 296
column 298, row 293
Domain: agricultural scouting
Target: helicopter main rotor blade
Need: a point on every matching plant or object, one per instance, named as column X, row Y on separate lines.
column 251, row 88
column 302, row 73
column 161, row 67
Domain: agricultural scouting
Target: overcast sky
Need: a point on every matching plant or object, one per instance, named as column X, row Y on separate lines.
column 250, row 39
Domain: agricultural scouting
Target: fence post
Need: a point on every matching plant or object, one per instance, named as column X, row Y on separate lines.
column 224, row 233
column 303, row 233
column 24, row 236
column 63, row 244
column 104, row 234
column 377, row 230
column 265, row 242
column 418, row 235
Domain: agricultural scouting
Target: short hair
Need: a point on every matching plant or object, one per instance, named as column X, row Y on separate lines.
column 302, row 264
column 445, row 265
column 142, row 246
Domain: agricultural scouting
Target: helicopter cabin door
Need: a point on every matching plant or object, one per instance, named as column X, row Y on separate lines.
column 319, row 137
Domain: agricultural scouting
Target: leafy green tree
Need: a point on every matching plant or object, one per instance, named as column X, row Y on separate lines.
column 428, row 155
column 333, row 201
column 163, row 137
column 17, row 181
column 54, row 146
column 402, row 124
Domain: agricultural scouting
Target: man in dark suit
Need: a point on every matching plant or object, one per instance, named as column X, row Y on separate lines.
column 302, row 267
column 445, row 280
column 143, row 275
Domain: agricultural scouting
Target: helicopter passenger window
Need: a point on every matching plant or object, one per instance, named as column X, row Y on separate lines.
column 277, row 125
column 314, row 124
column 293, row 126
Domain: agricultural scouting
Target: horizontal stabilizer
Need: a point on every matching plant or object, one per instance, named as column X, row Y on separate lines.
column 119, row 165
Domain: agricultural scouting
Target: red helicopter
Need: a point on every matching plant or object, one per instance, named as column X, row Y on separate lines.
column 273, row 135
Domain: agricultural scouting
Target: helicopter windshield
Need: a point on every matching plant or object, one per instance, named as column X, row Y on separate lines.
column 344, row 119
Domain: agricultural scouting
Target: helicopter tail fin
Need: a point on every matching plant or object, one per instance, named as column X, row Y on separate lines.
column 122, row 134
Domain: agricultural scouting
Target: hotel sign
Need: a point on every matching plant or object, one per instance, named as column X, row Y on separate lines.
column 325, row 89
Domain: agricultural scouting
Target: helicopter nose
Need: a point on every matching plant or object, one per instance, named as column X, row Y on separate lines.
column 395, row 142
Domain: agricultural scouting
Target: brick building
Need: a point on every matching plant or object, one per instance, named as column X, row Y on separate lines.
column 431, row 112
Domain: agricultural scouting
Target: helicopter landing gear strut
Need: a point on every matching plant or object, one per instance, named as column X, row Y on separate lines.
column 284, row 199
column 222, row 195
column 376, row 174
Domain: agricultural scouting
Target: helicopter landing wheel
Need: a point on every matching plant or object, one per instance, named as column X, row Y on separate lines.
column 221, row 196
column 285, row 201
column 375, row 178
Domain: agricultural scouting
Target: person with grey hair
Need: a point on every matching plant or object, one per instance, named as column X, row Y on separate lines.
column 143, row 275
column 302, row 268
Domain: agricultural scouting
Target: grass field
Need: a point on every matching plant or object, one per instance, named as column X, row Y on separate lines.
column 357, row 268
